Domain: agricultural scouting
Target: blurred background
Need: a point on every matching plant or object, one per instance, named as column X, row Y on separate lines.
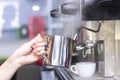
column 21, row 20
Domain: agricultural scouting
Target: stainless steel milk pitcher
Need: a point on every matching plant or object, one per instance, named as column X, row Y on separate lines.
column 59, row 50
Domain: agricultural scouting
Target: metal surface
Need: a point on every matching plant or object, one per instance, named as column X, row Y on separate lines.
column 106, row 41
column 56, row 13
column 60, row 51
column 117, row 37
column 106, row 57
column 117, row 29
column 71, row 8
column 118, row 57
column 85, row 35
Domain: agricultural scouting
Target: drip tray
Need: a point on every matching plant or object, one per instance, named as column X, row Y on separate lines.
column 54, row 73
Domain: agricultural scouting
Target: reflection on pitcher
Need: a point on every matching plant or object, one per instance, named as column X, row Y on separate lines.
column 58, row 50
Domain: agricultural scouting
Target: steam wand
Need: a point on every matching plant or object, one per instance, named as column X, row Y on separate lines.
column 82, row 27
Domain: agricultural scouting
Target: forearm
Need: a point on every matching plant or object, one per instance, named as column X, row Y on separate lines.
column 8, row 68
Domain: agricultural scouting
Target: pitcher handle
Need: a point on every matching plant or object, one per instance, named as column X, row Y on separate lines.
column 73, row 68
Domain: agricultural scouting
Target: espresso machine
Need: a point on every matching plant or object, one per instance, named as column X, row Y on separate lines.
column 104, row 40
column 98, row 33
column 104, row 48
column 107, row 40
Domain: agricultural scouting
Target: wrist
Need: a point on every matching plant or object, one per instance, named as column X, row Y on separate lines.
column 15, row 62
column 9, row 67
column 9, row 64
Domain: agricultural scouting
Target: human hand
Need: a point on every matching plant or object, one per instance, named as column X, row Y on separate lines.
column 36, row 49
column 25, row 54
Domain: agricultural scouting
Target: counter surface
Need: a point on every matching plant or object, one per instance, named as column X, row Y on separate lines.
column 97, row 76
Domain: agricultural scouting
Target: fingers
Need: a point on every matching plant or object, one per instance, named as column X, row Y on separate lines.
column 39, row 50
column 38, row 38
column 39, row 44
column 39, row 47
